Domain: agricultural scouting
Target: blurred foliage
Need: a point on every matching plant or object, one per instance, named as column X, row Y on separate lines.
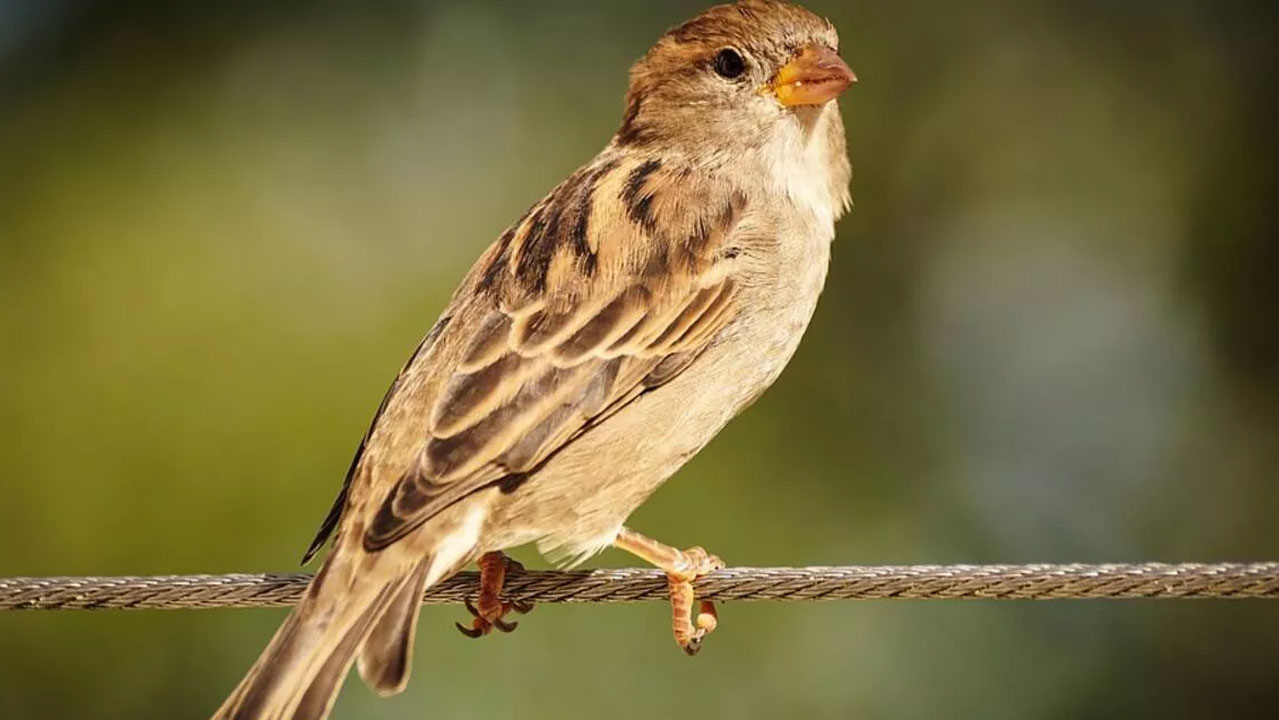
column 1050, row 334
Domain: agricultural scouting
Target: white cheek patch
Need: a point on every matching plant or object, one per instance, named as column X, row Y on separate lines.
column 801, row 167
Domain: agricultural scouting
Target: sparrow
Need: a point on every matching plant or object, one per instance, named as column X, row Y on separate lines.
column 594, row 348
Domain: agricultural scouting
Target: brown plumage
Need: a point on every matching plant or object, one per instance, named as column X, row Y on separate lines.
column 594, row 348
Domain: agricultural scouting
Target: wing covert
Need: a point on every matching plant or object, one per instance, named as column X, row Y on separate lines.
column 608, row 317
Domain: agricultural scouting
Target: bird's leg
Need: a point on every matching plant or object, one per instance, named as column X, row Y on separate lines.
column 682, row 568
column 489, row 609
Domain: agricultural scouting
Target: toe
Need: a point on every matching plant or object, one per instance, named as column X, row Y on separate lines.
column 701, row 562
column 694, row 644
column 707, row 617
column 474, row 632
column 522, row 607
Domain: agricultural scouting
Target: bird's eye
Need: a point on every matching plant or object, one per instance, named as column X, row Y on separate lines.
column 729, row 63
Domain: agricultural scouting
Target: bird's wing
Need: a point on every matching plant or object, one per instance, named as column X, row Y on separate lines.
column 606, row 289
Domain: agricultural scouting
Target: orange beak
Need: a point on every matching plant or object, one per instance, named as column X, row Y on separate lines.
column 814, row 77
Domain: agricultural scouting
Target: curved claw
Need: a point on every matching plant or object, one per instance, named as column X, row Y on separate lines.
column 471, row 608
column 473, row 632
column 522, row 607
column 505, row 626
column 694, row 643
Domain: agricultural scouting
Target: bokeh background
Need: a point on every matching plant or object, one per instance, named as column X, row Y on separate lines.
column 1051, row 333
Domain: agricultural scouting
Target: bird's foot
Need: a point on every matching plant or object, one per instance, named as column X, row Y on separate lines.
column 682, row 568
column 690, row 630
column 489, row 609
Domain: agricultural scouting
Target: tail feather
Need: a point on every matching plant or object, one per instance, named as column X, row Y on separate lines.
column 298, row 675
column 359, row 603
column 387, row 653
column 318, row 699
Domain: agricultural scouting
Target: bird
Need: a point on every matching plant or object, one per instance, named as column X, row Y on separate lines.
column 602, row 341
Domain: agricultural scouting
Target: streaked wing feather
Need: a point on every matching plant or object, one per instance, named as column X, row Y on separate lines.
column 564, row 341
column 508, row 417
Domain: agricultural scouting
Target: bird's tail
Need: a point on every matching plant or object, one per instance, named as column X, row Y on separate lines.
column 357, row 603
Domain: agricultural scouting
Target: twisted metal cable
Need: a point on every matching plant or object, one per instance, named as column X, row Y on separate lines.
column 945, row 582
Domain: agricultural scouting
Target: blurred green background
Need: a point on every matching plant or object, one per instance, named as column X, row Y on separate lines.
column 1051, row 333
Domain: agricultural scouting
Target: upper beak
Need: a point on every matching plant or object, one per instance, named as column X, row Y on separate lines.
column 815, row 76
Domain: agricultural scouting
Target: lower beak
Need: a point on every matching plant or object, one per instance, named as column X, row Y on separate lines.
column 817, row 75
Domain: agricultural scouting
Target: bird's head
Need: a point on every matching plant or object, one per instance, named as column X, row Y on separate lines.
column 733, row 77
